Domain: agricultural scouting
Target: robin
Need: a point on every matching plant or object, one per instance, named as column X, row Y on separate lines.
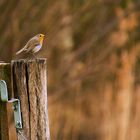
column 33, row 45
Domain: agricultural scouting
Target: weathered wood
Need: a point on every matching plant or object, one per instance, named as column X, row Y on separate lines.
column 30, row 86
column 5, row 74
column 7, row 124
column 20, row 92
column 11, row 123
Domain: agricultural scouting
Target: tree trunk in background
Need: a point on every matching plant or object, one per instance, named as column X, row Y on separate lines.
column 124, row 90
column 117, row 100
column 134, row 126
column 107, row 125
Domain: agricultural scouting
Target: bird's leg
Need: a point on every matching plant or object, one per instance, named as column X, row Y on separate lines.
column 32, row 55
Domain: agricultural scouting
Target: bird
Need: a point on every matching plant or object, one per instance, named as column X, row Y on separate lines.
column 33, row 45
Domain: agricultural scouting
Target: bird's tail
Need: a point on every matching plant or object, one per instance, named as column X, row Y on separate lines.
column 20, row 51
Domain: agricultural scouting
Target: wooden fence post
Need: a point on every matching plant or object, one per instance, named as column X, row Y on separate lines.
column 7, row 124
column 30, row 86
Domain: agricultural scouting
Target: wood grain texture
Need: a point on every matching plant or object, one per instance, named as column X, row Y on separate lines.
column 5, row 74
column 7, row 125
column 20, row 92
column 30, row 85
column 11, row 123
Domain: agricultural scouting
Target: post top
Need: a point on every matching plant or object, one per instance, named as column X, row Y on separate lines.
column 30, row 60
column 4, row 63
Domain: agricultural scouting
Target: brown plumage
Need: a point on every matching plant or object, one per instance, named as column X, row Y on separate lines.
column 33, row 45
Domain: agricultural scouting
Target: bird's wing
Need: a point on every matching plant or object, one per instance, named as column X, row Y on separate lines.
column 31, row 44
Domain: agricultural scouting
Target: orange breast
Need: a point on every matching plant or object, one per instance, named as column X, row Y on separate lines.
column 41, row 39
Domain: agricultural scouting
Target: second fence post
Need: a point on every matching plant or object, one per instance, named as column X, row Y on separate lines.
column 30, row 86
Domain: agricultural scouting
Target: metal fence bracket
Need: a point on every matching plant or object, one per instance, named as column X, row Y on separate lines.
column 3, row 91
column 15, row 104
column 17, row 113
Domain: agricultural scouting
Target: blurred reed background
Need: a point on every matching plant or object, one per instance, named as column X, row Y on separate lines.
column 92, row 48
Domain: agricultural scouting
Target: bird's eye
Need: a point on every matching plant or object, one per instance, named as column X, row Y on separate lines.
column 40, row 36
